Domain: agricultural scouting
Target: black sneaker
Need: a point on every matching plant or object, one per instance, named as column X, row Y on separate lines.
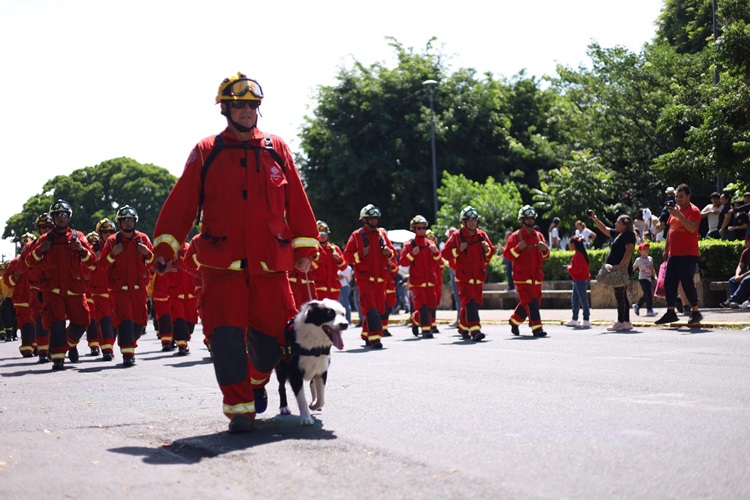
column 167, row 348
column 435, row 330
column 428, row 335
column 182, row 351
column 94, row 351
column 668, row 317
column 128, row 361
column 465, row 335
column 514, row 330
column 261, row 400
column 415, row 330
column 107, row 356
column 43, row 358
column 695, row 318
column 386, row 333
column 478, row 336
column 539, row 333
column 241, row 424
column 73, row 354
column 725, row 304
column 376, row 345
column 58, row 364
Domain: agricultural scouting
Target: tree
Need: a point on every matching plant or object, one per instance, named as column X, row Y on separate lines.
column 496, row 203
column 96, row 192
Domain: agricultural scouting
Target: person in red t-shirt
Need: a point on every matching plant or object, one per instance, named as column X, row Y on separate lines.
column 681, row 253
column 581, row 275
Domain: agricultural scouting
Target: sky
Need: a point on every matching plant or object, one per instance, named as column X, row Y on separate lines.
column 84, row 81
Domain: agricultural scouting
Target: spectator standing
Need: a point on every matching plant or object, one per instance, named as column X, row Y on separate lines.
column 711, row 213
column 587, row 234
column 345, row 278
column 581, row 275
column 725, row 216
column 682, row 253
column 554, row 235
column 620, row 252
column 644, row 264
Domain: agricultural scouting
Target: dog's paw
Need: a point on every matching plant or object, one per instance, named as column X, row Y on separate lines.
column 284, row 410
column 306, row 420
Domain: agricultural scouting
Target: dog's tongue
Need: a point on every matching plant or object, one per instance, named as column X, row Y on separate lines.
column 337, row 340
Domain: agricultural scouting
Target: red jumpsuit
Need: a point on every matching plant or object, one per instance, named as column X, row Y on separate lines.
column 422, row 279
column 34, row 275
column 63, row 287
column 128, row 275
column 327, row 282
column 162, row 310
column 527, row 275
column 469, row 267
column 22, row 302
column 256, row 224
column 370, row 273
column 102, row 310
column 190, row 261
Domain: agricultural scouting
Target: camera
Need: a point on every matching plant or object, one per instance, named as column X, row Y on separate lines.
column 670, row 203
column 590, row 213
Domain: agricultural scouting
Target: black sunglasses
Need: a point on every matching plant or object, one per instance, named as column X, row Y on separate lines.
column 241, row 104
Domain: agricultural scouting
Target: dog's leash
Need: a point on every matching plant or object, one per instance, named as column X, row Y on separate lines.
column 309, row 290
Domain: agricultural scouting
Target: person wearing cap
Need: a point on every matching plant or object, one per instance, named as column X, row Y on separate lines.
column 370, row 252
column 681, row 252
column 256, row 225
column 644, row 264
column 66, row 258
column 739, row 284
column 528, row 250
column 669, row 193
column 469, row 252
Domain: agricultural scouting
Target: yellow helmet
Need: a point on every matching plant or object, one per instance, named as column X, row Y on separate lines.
column 26, row 237
column 105, row 225
column 323, row 227
column 239, row 88
column 417, row 219
column 92, row 237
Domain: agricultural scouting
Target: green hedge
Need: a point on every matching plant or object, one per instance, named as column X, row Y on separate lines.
column 718, row 261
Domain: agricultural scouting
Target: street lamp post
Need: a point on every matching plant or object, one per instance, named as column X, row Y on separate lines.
column 430, row 85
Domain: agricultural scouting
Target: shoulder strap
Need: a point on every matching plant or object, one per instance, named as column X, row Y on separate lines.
column 118, row 238
column 365, row 242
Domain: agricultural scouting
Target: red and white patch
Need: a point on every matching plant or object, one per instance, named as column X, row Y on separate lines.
column 192, row 156
column 275, row 174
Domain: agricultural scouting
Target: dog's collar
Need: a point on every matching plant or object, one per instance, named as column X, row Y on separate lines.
column 318, row 351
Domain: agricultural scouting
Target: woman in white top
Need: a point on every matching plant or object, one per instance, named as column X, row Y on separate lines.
column 588, row 235
column 554, row 234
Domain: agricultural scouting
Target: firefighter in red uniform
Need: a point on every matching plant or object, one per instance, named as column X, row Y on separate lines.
column 257, row 225
column 66, row 259
column 420, row 256
column 368, row 251
column 93, row 334
column 20, row 294
column 127, row 255
column 468, row 252
column 438, row 266
column 182, row 304
column 528, row 250
column 100, row 295
column 192, row 266
column 43, row 225
column 330, row 262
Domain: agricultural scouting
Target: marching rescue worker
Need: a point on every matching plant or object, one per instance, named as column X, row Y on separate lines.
column 36, row 300
column 421, row 255
column 127, row 255
column 468, row 252
column 93, row 334
column 21, row 297
column 330, row 262
column 66, row 258
column 99, row 293
column 368, row 250
column 256, row 226
column 528, row 250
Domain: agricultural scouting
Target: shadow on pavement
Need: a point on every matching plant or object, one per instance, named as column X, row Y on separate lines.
column 193, row 449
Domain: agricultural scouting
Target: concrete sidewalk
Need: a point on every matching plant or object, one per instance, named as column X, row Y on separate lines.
column 731, row 319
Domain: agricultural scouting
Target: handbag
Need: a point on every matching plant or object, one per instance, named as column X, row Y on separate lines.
column 659, row 291
column 616, row 278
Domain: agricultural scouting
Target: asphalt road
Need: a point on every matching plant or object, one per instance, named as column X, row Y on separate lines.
column 581, row 414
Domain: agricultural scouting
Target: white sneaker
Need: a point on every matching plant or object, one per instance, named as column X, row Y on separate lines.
column 637, row 309
column 572, row 322
column 651, row 313
column 745, row 305
column 586, row 324
column 615, row 327
column 625, row 326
